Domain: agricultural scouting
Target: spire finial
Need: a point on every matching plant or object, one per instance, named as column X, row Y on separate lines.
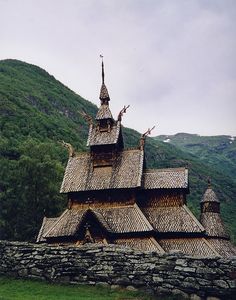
column 103, row 75
column 209, row 182
column 104, row 96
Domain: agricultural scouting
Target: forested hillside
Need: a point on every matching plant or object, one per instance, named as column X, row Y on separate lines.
column 217, row 151
column 36, row 113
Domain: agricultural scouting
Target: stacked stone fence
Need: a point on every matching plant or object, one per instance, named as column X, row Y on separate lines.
column 161, row 274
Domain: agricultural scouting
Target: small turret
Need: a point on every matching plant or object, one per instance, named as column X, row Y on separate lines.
column 210, row 214
column 210, row 202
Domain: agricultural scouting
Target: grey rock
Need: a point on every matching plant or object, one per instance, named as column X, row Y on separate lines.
column 195, row 297
column 180, row 293
column 221, row 283
column 23, row 272
column 131, row 288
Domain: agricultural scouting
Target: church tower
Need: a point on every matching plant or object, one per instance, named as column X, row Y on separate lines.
column 211, row 220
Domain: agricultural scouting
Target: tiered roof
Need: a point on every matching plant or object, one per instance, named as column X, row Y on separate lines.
column 150, row 215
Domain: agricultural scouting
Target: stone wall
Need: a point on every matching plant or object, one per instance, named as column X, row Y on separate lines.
column 194, row 278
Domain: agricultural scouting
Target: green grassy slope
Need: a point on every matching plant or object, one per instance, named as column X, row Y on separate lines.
column 36, row 112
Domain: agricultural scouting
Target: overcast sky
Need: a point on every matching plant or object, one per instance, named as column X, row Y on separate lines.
column 173, row 61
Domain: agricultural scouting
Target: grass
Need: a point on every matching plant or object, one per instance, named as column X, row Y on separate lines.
column 18, row 289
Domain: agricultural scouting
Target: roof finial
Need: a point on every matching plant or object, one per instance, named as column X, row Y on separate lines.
column 103, row 75
column 209, row 182
column 143, row 137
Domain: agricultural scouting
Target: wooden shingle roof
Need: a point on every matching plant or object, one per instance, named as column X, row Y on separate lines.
column 46, row 225
column 209, row 196
column 165, row 178
column 97, row 137
column 125, row 172
column 142, row 244
column 213, row 224
column 104, row 95
column 224, row 247
column 173, row 219
column 104, row 112
column 191, row 246
column 125, row 219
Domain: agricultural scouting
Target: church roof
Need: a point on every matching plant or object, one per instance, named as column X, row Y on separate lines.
column 46, row 225
column 209, row 196
column 224, row 247
column 142, row 244
column 165, row 178
column 124, row 172
column 213, row 224
column 97, row 137
column 104, row 112
column 172, row 219
column 190, row 246
column 104, row 93
column 124, row 219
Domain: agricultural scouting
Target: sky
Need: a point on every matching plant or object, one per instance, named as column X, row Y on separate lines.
column 172, row 61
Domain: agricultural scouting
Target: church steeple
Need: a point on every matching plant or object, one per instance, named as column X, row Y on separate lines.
column 104, row 114
column 104, row 96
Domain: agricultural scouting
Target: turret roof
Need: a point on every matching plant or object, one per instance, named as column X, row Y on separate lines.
column 209, row 196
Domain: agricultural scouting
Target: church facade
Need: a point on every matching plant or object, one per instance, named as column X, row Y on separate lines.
column 114, row 199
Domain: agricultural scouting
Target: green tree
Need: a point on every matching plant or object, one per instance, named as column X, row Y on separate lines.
column 31, row 190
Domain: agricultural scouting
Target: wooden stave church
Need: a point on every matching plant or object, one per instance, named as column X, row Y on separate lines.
column 114, row 199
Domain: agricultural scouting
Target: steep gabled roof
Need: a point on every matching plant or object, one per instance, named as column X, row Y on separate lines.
column 97, row 137
column 172, row 219
column 104, row 112
column 66, row 224
column 125, row 172
column 124, row 219
column 169, row 178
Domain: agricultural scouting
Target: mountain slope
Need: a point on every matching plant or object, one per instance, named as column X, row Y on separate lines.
column 216, row 151
column 36, row 112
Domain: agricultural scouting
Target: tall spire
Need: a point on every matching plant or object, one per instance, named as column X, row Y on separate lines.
column 104, row 96
column 103, row 75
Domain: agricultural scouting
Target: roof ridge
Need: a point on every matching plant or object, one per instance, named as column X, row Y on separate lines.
column 210, row 246
column 41, row 229
column 54, row 225
column 135, row 205
column 193, row 217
